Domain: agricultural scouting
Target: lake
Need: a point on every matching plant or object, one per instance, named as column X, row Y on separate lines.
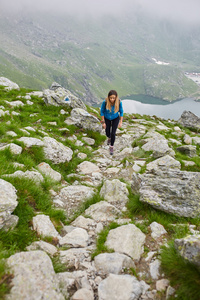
column 160, row 108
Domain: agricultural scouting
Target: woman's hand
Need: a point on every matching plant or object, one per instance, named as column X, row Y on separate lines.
column 104, row 125
column 120, row 124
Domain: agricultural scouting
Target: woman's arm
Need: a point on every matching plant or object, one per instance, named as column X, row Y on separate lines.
column 121, row 114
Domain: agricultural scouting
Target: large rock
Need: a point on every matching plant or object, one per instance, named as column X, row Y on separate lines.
column 48, row 171
column 103, row 212
column 57, row 95
column 87, row 168
column 34, row 277
column 9, row 85
column 8, row 201
column 76, row 238
column 158, row 144
column 83, row 119
column 44, row 227
column 189, row 248
column 165, row 162
column 120, row 287
column 83, row 294
column 190, row 120
column 15, row 149
column 172, row 191
column 127, row 239
column 114, row 191
column 71, row 197
column 44, row 246
column 56, row 151
column 32, row 175
column 115, row 263
column 29, row 141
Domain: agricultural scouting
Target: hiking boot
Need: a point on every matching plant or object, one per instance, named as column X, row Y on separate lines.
column 108, row 141
column 111, row 150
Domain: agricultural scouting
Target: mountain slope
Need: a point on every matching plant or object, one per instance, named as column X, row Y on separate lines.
column 90, row 57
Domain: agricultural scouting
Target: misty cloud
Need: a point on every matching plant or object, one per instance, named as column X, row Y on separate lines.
column 179, row 10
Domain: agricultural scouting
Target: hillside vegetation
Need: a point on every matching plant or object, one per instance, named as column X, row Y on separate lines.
column 90, row 57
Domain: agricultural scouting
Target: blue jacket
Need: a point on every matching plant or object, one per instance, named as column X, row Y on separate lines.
column 110, row 114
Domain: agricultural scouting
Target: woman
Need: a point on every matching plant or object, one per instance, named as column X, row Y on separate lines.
column 112, row 116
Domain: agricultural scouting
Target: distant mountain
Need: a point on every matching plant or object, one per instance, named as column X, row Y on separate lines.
column 91, row 57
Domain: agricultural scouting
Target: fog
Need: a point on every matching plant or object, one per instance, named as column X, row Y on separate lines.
column 186, row 11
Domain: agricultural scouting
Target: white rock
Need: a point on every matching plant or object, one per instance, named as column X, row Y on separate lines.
column 114, row 190
column 87, row 167
column 84, row 223
column 120, row 287
column 162, row 284
column 30, row 128
column 74, row 256
column 29, row 141
column 114, row 263
column 83, row 294
column 9, row 85
column 15, row 149
column 11, row 133
column 48, row 171
column 34, row 277
column 44, row 246
column 127, row 239
column 81, row 155
column 157, row 230
column 89, row 141
column 103, row 212
column 77, row 238
column 16, row 103
column 8, row 201
column 44, row 227
column 56, row 151
column 154, row 269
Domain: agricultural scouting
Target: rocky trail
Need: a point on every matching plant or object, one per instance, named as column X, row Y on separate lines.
column 129, row 267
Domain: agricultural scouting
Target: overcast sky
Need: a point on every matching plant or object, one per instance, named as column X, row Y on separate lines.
column 187, row 11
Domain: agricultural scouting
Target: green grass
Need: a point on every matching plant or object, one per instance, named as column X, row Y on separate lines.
column 102, row 236
column 183, row 275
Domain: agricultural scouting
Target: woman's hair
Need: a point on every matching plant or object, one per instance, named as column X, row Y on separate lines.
column 108, row 103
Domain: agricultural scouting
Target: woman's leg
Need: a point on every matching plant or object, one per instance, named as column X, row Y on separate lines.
column 108, row 127
column 115, row 123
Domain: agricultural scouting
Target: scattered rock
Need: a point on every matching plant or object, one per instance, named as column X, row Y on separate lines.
column 8, row 201
column 127, row 239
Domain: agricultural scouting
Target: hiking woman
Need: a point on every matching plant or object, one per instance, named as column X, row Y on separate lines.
column 112, row 116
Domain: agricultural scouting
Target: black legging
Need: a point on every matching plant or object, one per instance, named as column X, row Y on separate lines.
column 111, row 127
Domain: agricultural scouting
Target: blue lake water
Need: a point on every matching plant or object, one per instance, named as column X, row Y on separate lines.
column 162, row 109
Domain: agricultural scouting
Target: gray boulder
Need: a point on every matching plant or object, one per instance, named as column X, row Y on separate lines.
column 83, row 119
column 34, row 277
column 57, row 95
column 189, row 248
column 127, row 239
column 114, row 263
column 56, row 151
column 8, row 201
column 190, row 120
column 172, row 191
column 9, row 85
column 72, row 196
column 120, row 287
column 158, row 144
column 114, row 191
